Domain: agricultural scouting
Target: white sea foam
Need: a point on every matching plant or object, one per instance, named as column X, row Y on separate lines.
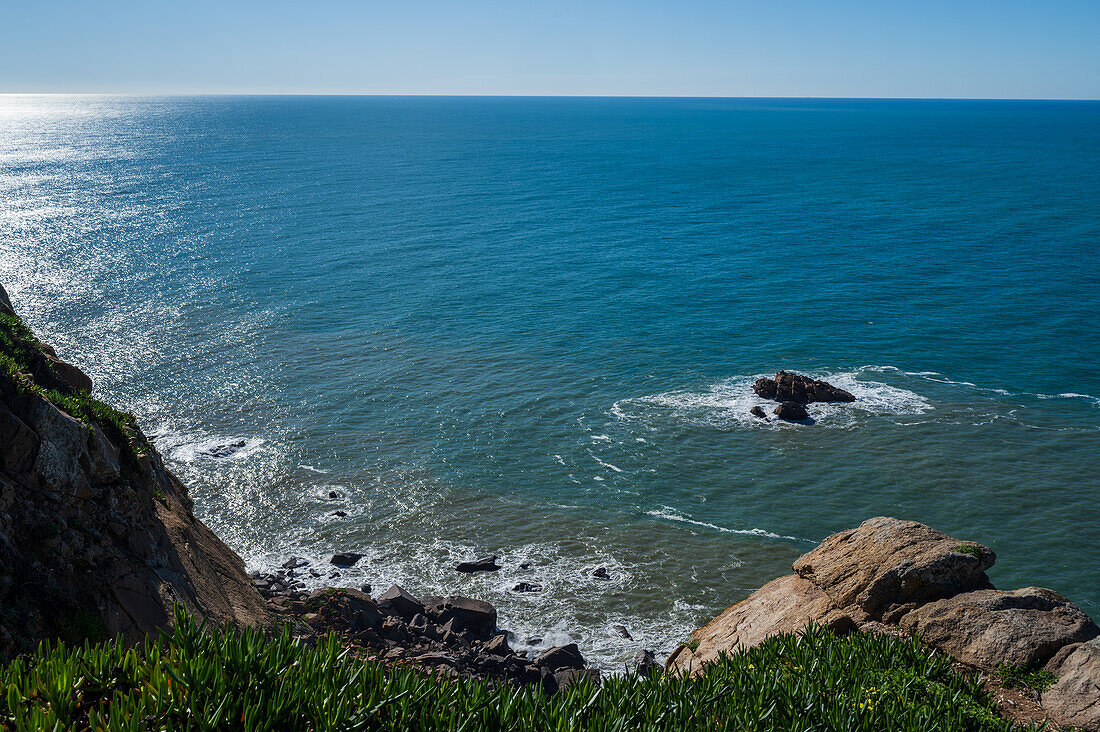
column 312, row 469
column 671, row 514
column 194, row 446
column 609, row 466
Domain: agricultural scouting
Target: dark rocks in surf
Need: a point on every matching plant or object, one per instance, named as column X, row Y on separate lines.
column 345, row 559
column 527, row 587
column 758, row 411
column 448, row 636
column 484, row 564
column 792, row 412
column 224, row 450
column 601, row 573
column 791, row 387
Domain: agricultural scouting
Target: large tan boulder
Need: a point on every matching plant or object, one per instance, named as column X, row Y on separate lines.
column 990, row 628
column 1074, row 699
column 887, row 564
column 784, row 605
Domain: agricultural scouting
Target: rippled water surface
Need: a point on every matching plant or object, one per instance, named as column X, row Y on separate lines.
column 529, row 327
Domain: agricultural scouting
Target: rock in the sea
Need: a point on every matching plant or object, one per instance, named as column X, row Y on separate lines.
column 345, row 559
column 758, row 411
column 224, row 450
column 1074, row 699
column 784, row 605
column 527, row 587
column 294, row 562
column 790, row 387
column 484, row 564
column 601, row 573
column 622, row 632
column 989, row 628
column 886, row 563
column 396, row 601
column 791, row 412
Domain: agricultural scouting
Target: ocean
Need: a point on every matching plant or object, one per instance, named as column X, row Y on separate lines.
column 529, row 327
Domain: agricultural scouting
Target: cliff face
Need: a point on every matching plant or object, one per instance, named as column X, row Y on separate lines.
column 96, row 536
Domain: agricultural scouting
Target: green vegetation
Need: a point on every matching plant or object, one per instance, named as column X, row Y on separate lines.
column 20, row 351
column 1020, row 677
column 198, row 680
column 970, row 549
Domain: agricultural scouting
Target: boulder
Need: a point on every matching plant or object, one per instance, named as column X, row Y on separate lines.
column 475, row 618
column 561, row 657
column 344, row 609
column 645, row 662
column 485, row 564
column 567, row 677
column 1074, row 699
column 498, row 646
column 990, row 628
column 345, row 559
column 784, row 605
column 396, row 601
column 790, row 387
column 601, row 573
column 622, row 632
column 758, row 411
column 792, row 412
column 886, row 563
column 66, row 376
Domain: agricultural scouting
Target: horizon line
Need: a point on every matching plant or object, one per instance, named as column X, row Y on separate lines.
column 532, row 96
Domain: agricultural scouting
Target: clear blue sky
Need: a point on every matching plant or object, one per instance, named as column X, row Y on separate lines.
column 852, row 48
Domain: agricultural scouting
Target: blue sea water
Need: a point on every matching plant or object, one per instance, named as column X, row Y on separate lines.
column 529, row 327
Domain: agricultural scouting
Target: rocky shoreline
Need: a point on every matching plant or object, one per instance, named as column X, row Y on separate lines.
column 98, row 539
column 902, row 577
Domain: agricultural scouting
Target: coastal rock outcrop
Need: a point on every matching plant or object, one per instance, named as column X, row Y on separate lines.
column 886, row 563
column 97, row 537
column 791, row 387
column 1074, row 699
column 893, row 576
column 989, row 627
column 784, row 605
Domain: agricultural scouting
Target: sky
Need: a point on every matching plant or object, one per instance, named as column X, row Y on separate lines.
column 788, row 48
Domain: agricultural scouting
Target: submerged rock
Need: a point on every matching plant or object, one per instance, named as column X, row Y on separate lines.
column 758, row 411
column 224, row 450
column 601, row 573
column 790, row 387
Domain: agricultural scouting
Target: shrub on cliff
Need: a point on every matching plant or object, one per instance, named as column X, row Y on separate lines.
column 195, row 679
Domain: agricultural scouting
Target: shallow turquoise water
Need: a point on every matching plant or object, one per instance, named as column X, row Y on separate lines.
column 528, row 327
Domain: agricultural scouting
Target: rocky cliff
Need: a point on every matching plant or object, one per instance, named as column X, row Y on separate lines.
column 96, row 537
column 900, row 577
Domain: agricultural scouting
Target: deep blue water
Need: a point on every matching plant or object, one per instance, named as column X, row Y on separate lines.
column 529, row 326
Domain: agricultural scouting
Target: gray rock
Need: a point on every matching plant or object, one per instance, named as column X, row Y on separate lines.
column 989, row 628
column 567, row 656
column 645, row 662
column 484, row 564
column 345, row 559
column 622, row 632
column 1074, row 699
column 396, row 601
column 498, row 645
